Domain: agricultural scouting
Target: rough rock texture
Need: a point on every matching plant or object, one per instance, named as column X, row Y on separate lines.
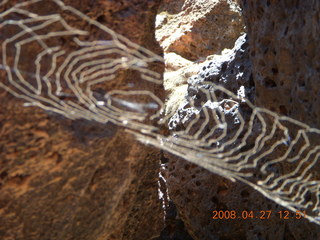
column 195, row 29
column 284, row 40
column 197, row 192
column 279, row 68
column 63, row 179
column 231, row 69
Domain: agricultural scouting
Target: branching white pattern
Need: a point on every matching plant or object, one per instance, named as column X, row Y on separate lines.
column 276, row 155
column 224, row 133
column 69, row 74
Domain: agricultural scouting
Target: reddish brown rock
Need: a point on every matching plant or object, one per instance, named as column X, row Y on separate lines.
column 196, row 29
column 64, row 179
column 197, row 193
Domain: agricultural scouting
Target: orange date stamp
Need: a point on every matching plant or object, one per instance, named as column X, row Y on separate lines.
column 264, row 214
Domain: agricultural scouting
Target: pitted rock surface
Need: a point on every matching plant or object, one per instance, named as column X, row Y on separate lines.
column 284, row 41
column 231, row 69
column 197, row 192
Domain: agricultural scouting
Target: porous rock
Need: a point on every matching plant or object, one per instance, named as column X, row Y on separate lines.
column 231, row 69
column 64, row 179
column 284, row 41
column 197, row 192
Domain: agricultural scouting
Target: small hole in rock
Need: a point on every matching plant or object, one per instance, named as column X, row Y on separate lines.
column 302, row 83
column 222, row 190
column 224, row 67
column 251, row 81
column 269, row 83
column 244, row 46
column 275, row 71
column 3, row 175
column 215, row 200
column 262, row 63
column 283, row 110
column 245, row 194
column 101, row 19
